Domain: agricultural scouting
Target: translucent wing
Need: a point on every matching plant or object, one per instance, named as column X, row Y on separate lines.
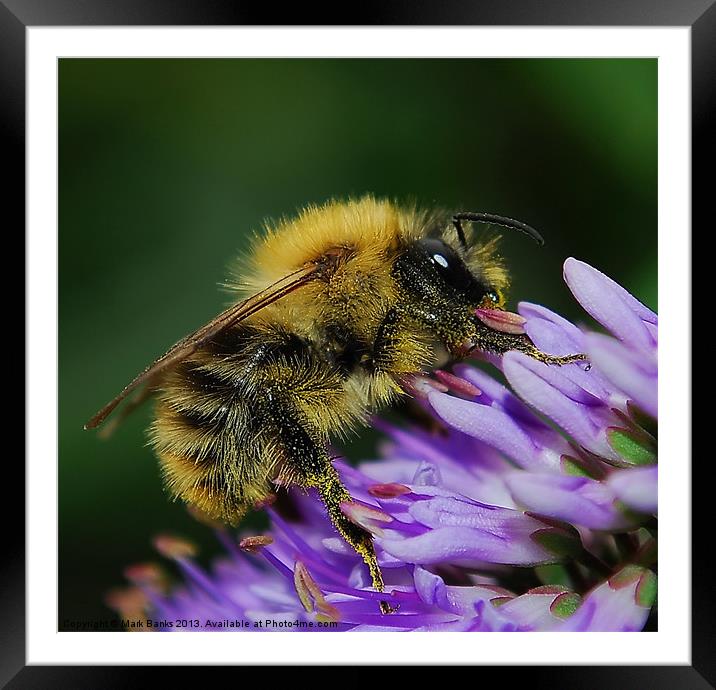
column 191, row 343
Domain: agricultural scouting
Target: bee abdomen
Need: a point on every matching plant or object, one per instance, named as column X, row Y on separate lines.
column 219, row 417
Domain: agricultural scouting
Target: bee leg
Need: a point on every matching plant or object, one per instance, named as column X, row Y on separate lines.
column 333, row 494
column 296, row 394
column 554, row 359
column 311, row 467
column 396, row 348
column 490, row 340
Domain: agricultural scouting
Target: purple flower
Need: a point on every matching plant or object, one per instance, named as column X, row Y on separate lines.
column 534, row 508
column 621, row 604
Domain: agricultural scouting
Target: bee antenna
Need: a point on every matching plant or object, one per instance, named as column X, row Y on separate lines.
column 494, row 220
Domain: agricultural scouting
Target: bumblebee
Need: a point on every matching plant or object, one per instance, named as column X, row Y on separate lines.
column 336, row 308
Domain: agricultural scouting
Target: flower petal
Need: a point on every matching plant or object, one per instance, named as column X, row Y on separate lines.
column 621, row 604
column 609, row 303
column 488, row 424
column 536, row 610
column 633, row 373
column 579, row 500
column 447, row 544
column 566, row 335
column 637, row 488
column 535, row 383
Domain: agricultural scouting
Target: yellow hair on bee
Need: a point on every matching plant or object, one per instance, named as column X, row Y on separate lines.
column 373, row 229
column 381, row 287
column 336, row 309
column 214, row 431
column 367, row 231
column 483, row 259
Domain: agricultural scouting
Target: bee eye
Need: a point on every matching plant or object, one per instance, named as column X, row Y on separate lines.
column 441, row 260
column 447, row 263
column 493, row 296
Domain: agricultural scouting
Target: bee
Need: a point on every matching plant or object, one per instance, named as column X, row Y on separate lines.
column 336, row 308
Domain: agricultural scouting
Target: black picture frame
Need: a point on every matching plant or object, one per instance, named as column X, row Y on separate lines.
column 17, row 15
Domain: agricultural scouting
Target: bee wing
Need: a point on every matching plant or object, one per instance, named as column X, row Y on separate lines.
column 191, row 343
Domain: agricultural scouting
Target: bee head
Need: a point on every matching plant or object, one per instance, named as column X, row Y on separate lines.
column 435, row 274
column 446, row 276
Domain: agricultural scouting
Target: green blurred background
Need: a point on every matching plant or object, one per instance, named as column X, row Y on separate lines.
column 166, row 165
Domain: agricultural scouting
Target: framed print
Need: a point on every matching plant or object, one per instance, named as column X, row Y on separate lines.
column 425, row 397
